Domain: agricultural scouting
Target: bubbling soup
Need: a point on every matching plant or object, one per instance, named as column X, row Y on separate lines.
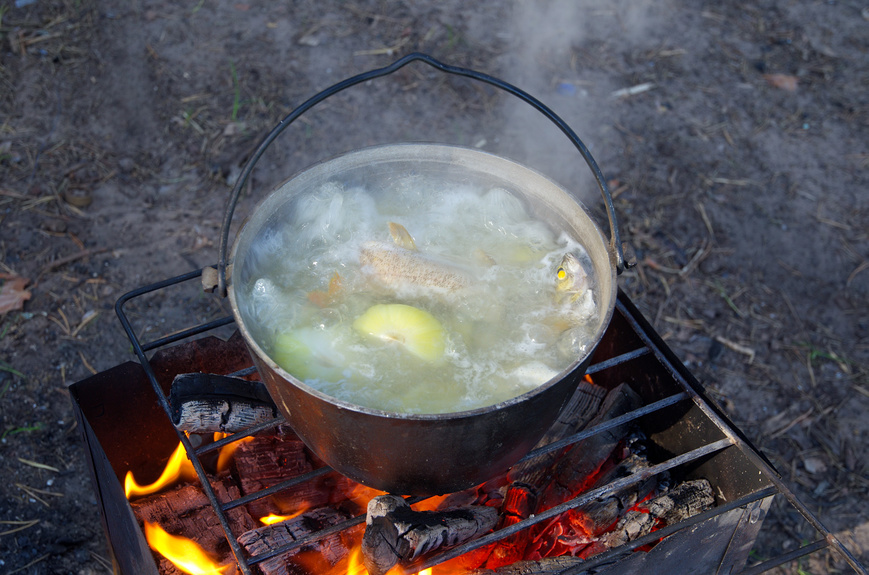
column 423, row 298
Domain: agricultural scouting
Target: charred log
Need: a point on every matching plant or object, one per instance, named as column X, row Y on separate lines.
column 547, row 566
column 311, row 558
column 577, row 529
column 683, row 502
column 395, row 533
column 206, row 403
column 582, row 407
column 580, row 465
column 265, row 461
column 186, row 511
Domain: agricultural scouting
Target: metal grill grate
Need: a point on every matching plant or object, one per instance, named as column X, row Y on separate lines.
column 633, row 349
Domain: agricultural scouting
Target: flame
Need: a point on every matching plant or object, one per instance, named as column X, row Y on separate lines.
column 224, row 458
column 271, row 518
column 429, row 504
column 176, row 468
column 179, row 467
column 182, row 552
column 354, row 564
column 361, row 495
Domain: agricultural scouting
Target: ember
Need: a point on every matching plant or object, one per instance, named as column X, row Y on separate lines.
column 396, row 534
column 683, row 440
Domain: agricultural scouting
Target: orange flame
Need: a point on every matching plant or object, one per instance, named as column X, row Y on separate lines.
column 354, row 563
column 177, row 467
column 361, row 494
column 430, row 504
column 271, row 518
column 182, row 552
column 224, row 458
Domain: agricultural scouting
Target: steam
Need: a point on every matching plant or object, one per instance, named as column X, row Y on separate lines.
column 549, row 58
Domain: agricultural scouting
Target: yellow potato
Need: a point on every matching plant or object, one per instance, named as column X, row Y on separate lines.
column 415, row 330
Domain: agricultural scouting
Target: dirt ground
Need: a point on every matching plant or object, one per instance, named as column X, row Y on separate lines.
column 737, row 152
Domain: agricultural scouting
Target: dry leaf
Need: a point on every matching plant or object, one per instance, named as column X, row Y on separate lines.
column 814, row 465
column 12, row 294
column 782, row 81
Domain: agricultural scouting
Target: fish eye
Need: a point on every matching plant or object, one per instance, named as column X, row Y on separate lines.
column 561, row 273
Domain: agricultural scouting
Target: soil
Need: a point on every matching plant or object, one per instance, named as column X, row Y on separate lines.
column 737, row 153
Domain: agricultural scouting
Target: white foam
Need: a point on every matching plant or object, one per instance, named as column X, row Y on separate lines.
column 498, row 340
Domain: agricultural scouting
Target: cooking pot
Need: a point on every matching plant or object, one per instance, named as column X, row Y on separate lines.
column 421, row 454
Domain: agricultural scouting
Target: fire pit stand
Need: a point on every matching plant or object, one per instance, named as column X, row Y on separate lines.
column 126, row 423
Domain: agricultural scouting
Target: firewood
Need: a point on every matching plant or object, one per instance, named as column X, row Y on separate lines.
column 582, row 407
column 547, row 566
column 395, row 533
column 578, row 466
column 312, row 558
column 206, row 403
column 186, row 511
column 580, row 472
column 575, row 530
column 268, row 460
column 682, row 502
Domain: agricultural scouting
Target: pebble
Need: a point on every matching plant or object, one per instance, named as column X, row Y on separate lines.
column 126, row 165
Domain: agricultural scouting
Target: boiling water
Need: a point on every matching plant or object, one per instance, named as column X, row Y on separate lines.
column 358, row 335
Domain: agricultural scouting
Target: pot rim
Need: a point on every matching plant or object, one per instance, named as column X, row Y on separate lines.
column 424, row 152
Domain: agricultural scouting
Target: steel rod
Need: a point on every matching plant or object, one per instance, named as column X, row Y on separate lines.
column 619, row 359
column 786, row 558
column 609, row 424
column 579, row 501
column 189, row 332
column 748, row 450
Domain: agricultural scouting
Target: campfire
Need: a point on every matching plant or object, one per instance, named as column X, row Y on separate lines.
column 397, row 531
column 639, row 470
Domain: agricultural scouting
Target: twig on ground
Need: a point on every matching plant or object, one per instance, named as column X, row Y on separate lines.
column 70, row 258
column 38, row 465
column 737, row 347
column 31, row 564
column 22, row 525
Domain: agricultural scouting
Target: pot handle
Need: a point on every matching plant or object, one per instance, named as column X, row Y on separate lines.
column 617, row 250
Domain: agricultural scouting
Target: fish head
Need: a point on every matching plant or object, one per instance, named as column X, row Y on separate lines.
column 571, row 279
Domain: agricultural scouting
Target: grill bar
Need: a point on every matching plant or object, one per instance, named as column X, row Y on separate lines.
column 612, row 423
column 577, row 501
column 787, row 557
column 651, row 344
column 669, row 530
column 237, row 551
column 691, row 385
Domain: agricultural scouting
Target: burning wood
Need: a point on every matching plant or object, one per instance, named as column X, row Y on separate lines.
column 314, row 558
column 582, row 407
column 683, row 502
column 575, row 531
column 395, row 533
column 579, row 465
column 206, row 403
column 271, row 459
column 186, row 511
column 547, row 566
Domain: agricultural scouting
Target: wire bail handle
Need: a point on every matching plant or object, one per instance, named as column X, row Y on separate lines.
column 617, row 250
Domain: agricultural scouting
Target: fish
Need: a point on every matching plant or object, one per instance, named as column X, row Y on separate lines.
column 401, row 266
column 571, row 280
column 573, row 291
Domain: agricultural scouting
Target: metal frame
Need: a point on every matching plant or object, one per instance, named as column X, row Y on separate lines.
column 652, row 344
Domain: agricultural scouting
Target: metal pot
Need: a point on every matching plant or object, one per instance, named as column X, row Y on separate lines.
column 425, row 454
